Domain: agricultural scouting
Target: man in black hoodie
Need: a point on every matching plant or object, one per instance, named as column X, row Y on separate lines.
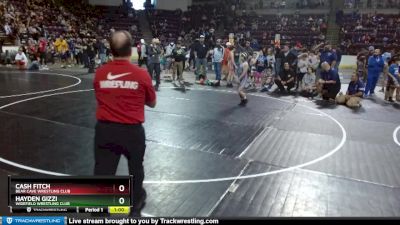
column 286, row 78
column 287, row 56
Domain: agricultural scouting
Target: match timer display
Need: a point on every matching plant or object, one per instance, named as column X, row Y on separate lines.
column 70, row 194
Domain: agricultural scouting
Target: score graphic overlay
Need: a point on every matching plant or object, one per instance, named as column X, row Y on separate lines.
column 70, row 194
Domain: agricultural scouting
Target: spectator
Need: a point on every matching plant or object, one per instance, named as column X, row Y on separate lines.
column 1, row 45
column 102, row 49
column 78, row 52
column 178, row 58
column 231, row 65
column 248, row 49
column 286, row 79
column 361, row 68
column 225, row 62
column 139, row 51
column 243, row 76
column 218, row 56
column 168, row 54
column 261, row 65
column 42, row 52
column 271, row 59
column 308, row 84
column 393, row 82
column 154, row 61
column 375, row 68
column 386, row 58
column 268, row 80
column 302, row 66
column 7, row 57
column 201, row 54
column 338, row 53
column 329, row 56
column 61, row 46
column 329, row 85
column 354, row 93
column 143, row 52
column 91, row 54
column 85, row 57
column 35, row 65
column 287, row 57
column 21, row 60
column 313, row 60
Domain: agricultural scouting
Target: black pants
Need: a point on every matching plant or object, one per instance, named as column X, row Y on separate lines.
column 143, row 61
column 330, row 91
column 43, row 58
column 308, row 94
column 78, row 58
column 92, row 64
column 85, row 59
column 155, row 68
column 282, row 88
column 299, row 79
column 113, row 140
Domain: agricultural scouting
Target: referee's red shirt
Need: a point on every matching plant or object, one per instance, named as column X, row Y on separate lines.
column 122, row 90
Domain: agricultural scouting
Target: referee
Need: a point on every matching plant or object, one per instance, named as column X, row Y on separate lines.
column 122, row 91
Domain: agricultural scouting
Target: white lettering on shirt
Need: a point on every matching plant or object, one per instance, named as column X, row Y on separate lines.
column 119, row 84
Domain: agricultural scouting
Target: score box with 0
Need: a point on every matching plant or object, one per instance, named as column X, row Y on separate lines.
column 18, row 200
column 70, row 191
column 70, row 185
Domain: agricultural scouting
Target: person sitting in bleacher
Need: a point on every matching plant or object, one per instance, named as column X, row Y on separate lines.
column 354, row 93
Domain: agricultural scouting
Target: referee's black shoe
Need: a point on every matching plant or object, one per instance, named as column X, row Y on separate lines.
column 139, row 205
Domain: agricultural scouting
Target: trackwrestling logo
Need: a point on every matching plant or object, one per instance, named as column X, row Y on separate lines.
column 23, row 220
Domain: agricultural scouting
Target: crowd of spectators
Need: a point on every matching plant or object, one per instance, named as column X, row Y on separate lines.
column 273, row 4
column 68, row 31
column 384, row 4
column 165, row 24
column 207, row 19
column 307, row 29
column 359, row 31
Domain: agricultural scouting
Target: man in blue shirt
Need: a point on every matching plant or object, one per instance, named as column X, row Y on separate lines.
column 375, row 68
column 329, row 56
column 329, row 85
column 355, row 91
column 338, row 53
